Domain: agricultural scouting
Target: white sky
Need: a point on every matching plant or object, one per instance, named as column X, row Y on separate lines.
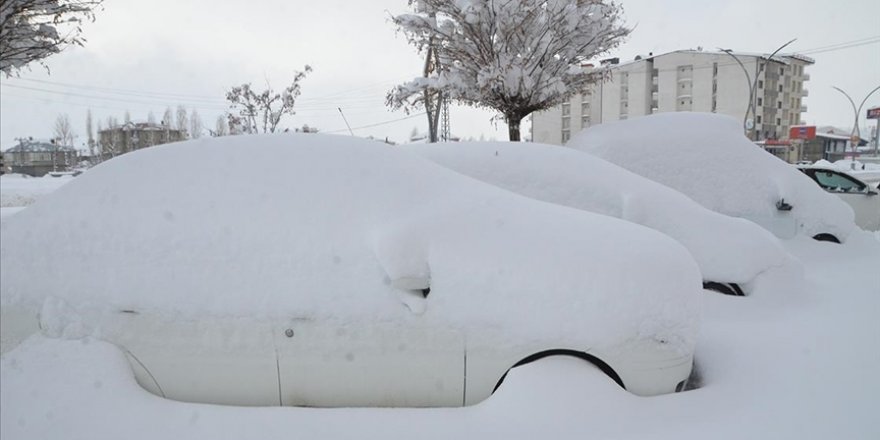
column 161, row 53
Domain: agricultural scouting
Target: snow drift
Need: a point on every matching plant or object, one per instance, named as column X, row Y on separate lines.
column 727, row 249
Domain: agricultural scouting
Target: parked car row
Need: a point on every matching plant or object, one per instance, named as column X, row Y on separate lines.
column 337, row 271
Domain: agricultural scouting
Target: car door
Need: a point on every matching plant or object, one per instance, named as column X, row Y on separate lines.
column 401, row 362
column 207, row 360
column 863, row 200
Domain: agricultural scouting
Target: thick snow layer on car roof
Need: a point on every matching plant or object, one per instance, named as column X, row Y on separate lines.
column 707, row 157
column 727, row 249
column 315, row 226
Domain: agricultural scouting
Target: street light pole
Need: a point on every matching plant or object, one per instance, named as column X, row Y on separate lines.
column 752, row 84
column 855, row 136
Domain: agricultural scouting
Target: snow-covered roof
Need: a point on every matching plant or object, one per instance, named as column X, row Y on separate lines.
column 35, row 145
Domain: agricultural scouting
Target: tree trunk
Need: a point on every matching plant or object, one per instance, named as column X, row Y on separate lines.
column 513, row 122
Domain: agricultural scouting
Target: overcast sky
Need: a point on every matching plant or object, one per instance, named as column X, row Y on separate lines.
column 144, row 56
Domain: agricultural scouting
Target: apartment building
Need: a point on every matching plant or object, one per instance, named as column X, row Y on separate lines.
column 37, row 158
column 132, row 136
column 686, row 80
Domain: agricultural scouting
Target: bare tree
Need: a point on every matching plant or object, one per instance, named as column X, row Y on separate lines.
column 63, row 131
column 252, row 112
column 182, row 121
column 514, row 56
column 127, row 118
column 167, row 118
column 31, row 30
column 220, row 127
column 90, row 133
column 151, row 118
column 195, row 124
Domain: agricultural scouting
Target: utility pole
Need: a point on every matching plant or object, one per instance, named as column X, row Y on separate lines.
column 749, row 124
column 855, row 137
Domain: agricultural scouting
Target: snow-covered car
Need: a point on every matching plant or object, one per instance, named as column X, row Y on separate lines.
column 731, row 252
column 335, row 271
column 859, row 195
column 707, row 157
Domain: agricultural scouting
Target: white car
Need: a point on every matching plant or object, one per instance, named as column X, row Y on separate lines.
column 707, row 157
column 731, row 252
column 860, row 196
column 334, row 271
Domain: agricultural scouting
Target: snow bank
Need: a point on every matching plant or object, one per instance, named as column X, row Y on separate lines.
column 706, row 157
column 317, row 226
column 727, row 249
column 22, row 190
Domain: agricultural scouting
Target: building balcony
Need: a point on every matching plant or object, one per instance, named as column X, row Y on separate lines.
column 655, row 96
column 802, row 109
column 804, row 93
column 805, row 77
column 654, row 80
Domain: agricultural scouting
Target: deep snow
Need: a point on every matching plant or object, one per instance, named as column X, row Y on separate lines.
column 784, row 363
column 727, row 249
column 706, row 157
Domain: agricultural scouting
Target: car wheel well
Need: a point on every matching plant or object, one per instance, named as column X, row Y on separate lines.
column 731, row 289
column 826, row 237
column 564, row 352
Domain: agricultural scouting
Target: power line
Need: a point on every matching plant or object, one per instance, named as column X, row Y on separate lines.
column 414, row 115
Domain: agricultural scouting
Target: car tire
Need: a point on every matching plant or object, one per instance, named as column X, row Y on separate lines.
column 826, row 237
column 731, row 289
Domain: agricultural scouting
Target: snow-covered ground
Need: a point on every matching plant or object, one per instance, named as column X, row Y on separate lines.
column 787, row 362
column 20, row 190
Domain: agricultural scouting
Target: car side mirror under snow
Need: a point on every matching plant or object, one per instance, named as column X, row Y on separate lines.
column 782, row 205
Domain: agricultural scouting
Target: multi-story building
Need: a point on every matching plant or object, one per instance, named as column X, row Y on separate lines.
column 135, row 135
column 686, row 80
column 37, row 158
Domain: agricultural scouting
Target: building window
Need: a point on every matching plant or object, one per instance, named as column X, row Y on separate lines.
column 566, row 108
column 761, row 67
column 760, row 83
column 780, row 88
column 760, row 102
column 758, row 119
column 566, row 123
column 779, row 104
column 585, row 108
column 781, row 71
column 714, row 105
column 714, row 69
column 585, row 121
column 566, row 135
column 778, row 121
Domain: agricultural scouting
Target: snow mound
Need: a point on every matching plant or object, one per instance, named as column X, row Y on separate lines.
column 315, row 226
column 706, row 157
column 727, row 249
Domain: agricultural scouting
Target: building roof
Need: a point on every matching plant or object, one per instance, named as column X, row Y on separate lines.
column 141, row 126
column 31, row 145
column 784, row 58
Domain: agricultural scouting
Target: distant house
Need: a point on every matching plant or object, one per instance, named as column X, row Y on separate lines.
column 132, row 136
column 830, row 143
column 2, row 163
column 39, row 157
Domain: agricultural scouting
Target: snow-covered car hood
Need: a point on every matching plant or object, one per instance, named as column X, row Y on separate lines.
column 727, row 249
column 318, row 226
column 707, row 157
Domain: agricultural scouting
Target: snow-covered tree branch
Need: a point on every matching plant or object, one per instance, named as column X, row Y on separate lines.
column 261, row 112
column 514, row 56
column 31, row 30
